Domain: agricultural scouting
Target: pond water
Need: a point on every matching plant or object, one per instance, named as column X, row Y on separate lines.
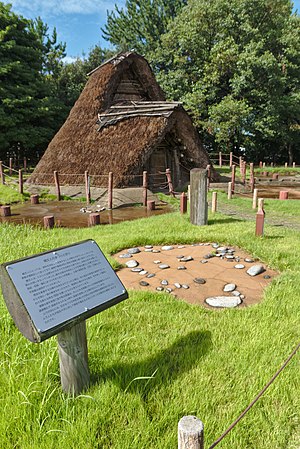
column 67, row 213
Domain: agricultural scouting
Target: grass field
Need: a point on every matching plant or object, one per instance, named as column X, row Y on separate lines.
column 154, row 359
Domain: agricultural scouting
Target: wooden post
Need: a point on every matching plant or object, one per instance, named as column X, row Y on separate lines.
column 244, row 172
column 57, row 186
column 2, row 176
column 229, row 194
column 214, row 202
column 286, row 165
column 208, row 175
column 241, row 164
column 25, row 164
column 110, row 189
column 260, row 218
column 260, row 164
column 21, row 182
column 233, row 177
column 94, row 219
column 220, row 158
column 275, row 176
column 264, row 164
column 151, row 205
column 198, row 204
column 5, row 211
column 190, row 433
column 183, row 203
column 73, row 359
column 34, row 199
column 10, row 165
column 252, row 182
column 87, row 187
column 254, row 199
column 49, row 221
column 169, row 179
column 230, row 159
column 283, row 195
column 145, row 187
column 294, row 164
column 189, row 193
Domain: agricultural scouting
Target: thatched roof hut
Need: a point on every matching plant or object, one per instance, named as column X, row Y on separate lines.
column 121, row 123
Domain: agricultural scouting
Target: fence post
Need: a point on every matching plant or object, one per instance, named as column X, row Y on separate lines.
column 10, row 165
column 260, row 218
column 87, row 187
column 230, row 159
column 190, row 433
column 251, row 176
column 244, row 172
column 229, row 193
column 286, row 165
column 2, row 173
column 110, row 189
column 208, row 175
column 220, row 158
column 254, row 200
column 25, row 164
column 57, row 186
column 183, row 203
column 169, row 179
column 294, row 164
column 21, row 182
column 233, row 177
column 198, row 204
column 145, row 187
column 214, row 202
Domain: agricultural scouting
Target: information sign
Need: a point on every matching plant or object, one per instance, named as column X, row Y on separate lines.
column 59, row 287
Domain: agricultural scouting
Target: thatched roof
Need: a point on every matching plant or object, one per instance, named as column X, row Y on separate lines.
column 124, row 141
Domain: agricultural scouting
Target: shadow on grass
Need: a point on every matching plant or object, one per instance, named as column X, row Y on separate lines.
column 224, row 220
column 163, row 367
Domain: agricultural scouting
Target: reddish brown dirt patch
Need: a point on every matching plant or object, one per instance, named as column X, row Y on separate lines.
column 217, row 272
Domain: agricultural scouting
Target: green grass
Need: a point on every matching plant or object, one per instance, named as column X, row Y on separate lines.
column 154, row 359
column 9, row 195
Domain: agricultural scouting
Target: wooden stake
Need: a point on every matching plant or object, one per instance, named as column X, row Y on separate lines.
column 208, row 175
column 145, row 188
column 183, row 203
column 151, row 205
column 294, row 164
column 220, row 158
column 283, row 195
column 254, row 199
column 57, row 186
column 34, row 199
column 110, row 189
column 214, row 202
column 10, row 165
column 169, row 179
column 94, row 219
column 230, row 159
column 5, row 211
column 25, row 164
column 2, row 176
column 229, row 193
column 73, row 359
column 49, row 221
column 252, row 181
column 233, row 168
column 190, row 433
column 260, row 218
column 21, row 182
column 198, row 204
column 87, row 187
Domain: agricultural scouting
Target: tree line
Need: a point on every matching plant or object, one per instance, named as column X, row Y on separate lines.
column 233, row 63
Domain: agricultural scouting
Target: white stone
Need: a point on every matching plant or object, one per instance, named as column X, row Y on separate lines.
column 133, row 250
column 223, row 301
column 167, row 248
column 255, row 270
column 229, row 288
column 177, row 285
column 143, row 272
column 131, row 263
column 236, row 293
column 156, row 261
column 239, row 266
column 163, row 266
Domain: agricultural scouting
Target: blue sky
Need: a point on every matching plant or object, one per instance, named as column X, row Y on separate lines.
column 77, row 22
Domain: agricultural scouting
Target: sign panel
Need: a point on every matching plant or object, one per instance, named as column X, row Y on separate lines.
column 60, row 286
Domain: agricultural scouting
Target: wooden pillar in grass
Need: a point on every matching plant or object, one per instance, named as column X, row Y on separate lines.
column 57, row 186
column 198, row 204
column 21, row 182
column 220, row 159
column 145, row 188
column 110, row 189
column 214, row 202
column 233, row 168
column 87, row 187
column 190, row 433
column 2, row 176
column 230, row 159
column 252, row 180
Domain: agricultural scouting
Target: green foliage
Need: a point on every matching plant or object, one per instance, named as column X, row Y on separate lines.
column 235, row 65
column 140, row 24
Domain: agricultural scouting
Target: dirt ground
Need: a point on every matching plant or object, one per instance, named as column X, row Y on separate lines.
column 215, row 271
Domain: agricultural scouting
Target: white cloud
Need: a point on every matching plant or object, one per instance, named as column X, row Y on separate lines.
column 57, row 7
column 69, row 59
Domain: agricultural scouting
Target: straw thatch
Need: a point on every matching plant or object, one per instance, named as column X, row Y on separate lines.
column 124, row 140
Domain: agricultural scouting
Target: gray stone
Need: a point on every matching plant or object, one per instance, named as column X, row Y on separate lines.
column 134, row 250
column 242, row 296
column 144, row 283
column 143, row 272
column 167, row 248
column 181, row 267
column 239, row 266
column 148, row 250
column 156, row 261
column 199, row 281
column 222, row 249
column 181, row 246
column 255, row 270
column 169, row 290
column 229, row 287
column 125, row 256
column 131, row 263
column 248, row 260
column 136, row 269
column 186, row 259
column 156, row 250
column 148, row 246
column 163, row 266
column 164, row 282
column 159, row 289
column 267, row 276
column 236, row 293
column 223, row 301
column 208, row 256
column 229, row 256
column 177, row 285
column 150, row 275
column 185, row 286
column 180, row 257
column 215, row 245
column 203, row 261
